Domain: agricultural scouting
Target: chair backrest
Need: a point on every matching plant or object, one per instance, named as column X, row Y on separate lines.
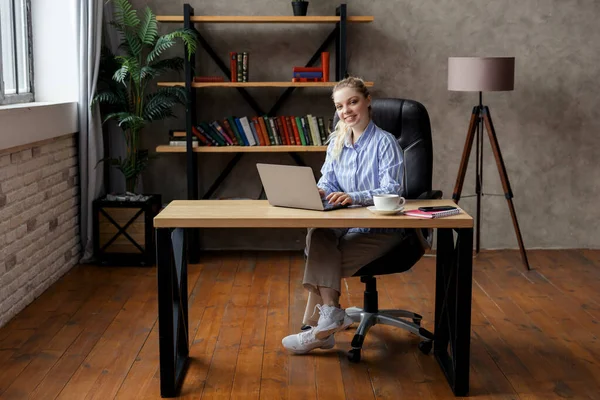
column 408, row 121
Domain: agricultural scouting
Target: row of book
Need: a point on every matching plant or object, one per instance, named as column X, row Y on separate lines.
column 313, row 74
column 308, row 130
column 238, row 65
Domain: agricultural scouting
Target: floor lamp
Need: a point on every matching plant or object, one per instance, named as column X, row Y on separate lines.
column 483, row 74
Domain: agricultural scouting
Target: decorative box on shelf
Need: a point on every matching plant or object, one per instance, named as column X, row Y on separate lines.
column 123, row 229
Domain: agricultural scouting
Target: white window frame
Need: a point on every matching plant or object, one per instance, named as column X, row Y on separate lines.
column 19, row 97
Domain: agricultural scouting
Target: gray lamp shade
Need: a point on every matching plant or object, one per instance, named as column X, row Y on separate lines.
column 481, row 74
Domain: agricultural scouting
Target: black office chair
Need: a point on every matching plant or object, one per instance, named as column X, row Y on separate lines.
column 408, row 120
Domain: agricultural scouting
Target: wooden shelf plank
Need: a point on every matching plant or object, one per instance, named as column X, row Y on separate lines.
column 242, row 149
column 256, row 84
column 259, row 19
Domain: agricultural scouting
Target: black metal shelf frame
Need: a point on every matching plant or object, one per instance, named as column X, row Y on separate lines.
column 337, row 36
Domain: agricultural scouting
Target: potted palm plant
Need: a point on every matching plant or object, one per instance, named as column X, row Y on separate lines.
column 127, row 95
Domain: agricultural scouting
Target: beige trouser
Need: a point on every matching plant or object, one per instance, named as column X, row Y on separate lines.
column 333, row 254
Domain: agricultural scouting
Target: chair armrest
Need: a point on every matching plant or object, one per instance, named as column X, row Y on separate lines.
column 430, row 195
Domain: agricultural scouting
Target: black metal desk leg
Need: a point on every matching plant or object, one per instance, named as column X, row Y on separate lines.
column 454, row 276
column 172, row 309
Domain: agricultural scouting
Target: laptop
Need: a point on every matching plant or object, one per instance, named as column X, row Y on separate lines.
column 292, row 186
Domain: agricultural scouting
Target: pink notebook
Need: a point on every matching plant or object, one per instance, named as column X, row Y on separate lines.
column 432, row 214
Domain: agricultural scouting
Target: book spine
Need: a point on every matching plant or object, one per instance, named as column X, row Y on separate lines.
column 207, row 135
column 248, row 131
column 301, row 132
column 245, row 66
column 207, row 130
column 227, row 127
column 290, row 128
column 264, row 123
column 311, row 128
column 307, row 69
column 308, row 74
column 245, row 128
column 261, row 136
column 306, row 130
column 322, row 130
column 221, row 132
column 299, row 137
column 255, row 132
column 201, row 137
column 233, row 126
column 241, row 131
column 208, row 79
column 233, row 66
column 239, row 68
column 181, row 143
column 281, row 129
column 275, row 133
column 325, row 65
column 307, row 79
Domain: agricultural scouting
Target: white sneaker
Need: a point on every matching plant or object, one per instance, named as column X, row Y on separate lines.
column 303, row 342
column 331, row 320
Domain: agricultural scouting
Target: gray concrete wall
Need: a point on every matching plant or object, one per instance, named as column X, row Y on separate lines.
column 548, row 127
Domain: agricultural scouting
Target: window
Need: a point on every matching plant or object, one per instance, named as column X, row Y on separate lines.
column 16, row 77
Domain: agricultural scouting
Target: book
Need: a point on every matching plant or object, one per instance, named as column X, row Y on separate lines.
column 308, row 74
column 208, row 79
column 239, row 135
column 245, row 127
column 227, row 127
column 432, row 214
column 182, row 143
column 245, row 66
column 325, row 65
column 239, row 67
column 307, row 69
column 307, row 79
column 233, row 66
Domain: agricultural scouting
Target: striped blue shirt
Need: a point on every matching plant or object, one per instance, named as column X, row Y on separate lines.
column 373, row 165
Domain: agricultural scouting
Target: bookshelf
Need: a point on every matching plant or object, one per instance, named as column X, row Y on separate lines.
column 337, row 38
column 198, row 85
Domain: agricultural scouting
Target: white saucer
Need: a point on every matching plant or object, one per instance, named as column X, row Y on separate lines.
column 385, row 212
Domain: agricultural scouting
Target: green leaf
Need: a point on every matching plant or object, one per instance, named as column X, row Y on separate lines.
column 162, row 44
column 125, row 15
column 149, row 28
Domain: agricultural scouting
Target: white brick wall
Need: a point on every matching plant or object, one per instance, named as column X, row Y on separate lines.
column 39, row 225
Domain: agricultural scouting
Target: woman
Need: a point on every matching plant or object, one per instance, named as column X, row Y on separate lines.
column 362, row 160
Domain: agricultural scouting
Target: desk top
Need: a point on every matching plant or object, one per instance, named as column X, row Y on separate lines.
column 259, row 214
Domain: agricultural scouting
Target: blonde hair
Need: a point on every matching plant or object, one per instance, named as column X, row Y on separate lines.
column 341, row 131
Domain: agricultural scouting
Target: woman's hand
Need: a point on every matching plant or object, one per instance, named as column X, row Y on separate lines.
column 321, row 192
column 336, row 198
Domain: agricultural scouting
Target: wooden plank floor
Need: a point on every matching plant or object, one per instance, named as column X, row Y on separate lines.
column 94, row 334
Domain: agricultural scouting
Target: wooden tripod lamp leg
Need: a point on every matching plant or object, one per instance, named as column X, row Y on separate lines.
column 464, row 161
column 487, row 118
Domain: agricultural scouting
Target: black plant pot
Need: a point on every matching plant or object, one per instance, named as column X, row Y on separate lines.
column 300, row 8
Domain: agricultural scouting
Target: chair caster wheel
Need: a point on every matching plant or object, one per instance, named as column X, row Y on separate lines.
column 354, row 355
column 417, row 321
column 425, row 346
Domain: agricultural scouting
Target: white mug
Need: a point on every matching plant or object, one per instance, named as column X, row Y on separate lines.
column 388, row 202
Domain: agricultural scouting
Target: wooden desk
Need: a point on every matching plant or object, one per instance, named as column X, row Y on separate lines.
column 453, row 272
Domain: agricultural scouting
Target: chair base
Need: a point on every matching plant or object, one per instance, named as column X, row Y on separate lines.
column 399, row 318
